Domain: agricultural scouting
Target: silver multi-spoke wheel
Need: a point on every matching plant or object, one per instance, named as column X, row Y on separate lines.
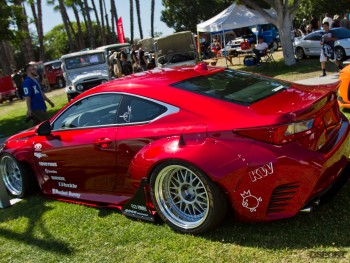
column 181, row 196
column 11, row 175
column 185, row 198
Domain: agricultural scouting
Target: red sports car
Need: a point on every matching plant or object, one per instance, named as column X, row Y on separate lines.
column 188, row 143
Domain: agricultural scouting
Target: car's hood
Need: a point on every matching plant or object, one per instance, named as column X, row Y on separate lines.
column 78, row 76
column 175, row 43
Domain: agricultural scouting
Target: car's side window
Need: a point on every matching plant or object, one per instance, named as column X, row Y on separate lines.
column 314, row 37
column 97, row 110
column 135, row 109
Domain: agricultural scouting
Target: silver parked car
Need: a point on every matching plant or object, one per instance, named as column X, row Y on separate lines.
column 309, row 45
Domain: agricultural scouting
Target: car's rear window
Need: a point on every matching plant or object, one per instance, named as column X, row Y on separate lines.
column 233, row 86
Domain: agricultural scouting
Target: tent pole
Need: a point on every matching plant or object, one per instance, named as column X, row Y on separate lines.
column 223, row 32
column 199, row 47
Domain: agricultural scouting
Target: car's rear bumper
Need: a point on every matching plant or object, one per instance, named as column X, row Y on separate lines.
column 280, row 181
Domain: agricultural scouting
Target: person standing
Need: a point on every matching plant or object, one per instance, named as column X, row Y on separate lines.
column 336, row 22
column 18, row 80
column 142, row 58
column 314, row 24
column 303, row 27
column 35, row 98
column 327, row 50
column 345, row 22
column 328, row 19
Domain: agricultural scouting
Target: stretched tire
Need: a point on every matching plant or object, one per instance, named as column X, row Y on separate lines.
column 340, row 53
column 185, row 198
column 19, row 181
column 299, row 53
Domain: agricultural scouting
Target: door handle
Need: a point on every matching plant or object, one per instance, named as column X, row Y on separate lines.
column 103, row 142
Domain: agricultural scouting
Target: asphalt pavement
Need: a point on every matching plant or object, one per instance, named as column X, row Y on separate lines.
column 331, row 78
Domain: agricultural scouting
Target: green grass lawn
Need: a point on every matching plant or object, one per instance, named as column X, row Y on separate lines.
column 38, row 229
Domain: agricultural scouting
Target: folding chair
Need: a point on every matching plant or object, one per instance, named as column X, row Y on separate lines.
column 268, row 58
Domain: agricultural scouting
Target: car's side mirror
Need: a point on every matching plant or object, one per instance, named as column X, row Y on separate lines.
column 44, row 128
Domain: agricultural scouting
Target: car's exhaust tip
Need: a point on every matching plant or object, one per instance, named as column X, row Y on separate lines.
column 310, row 207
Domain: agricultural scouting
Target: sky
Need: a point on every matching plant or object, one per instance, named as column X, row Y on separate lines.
column 52, row 18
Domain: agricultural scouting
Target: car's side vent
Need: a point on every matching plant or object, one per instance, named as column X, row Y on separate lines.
column 281, row 196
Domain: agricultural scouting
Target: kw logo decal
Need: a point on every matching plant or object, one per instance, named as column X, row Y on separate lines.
column 261, row 172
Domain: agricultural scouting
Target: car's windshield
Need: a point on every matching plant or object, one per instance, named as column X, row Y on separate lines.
column 233, row 86
column 85, row 60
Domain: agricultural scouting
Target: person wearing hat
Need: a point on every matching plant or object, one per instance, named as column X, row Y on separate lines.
column 336, row 21
column 260, row 49
column 303, row 27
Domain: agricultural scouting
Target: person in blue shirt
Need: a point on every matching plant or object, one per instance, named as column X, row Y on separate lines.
column 35, row 98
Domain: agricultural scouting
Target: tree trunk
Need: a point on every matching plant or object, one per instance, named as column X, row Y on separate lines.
column 114, row 19
column 38, row 19
column 89, row 26
column 132, row 21
column 23, row 32
column 99, row 28
column 108, row 35
column 80, row 31
column 152, row 17
column 138, row 11
column 7, row 60
column 65, row 18
column 285, row 14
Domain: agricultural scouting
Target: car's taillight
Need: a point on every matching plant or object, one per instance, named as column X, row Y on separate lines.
column 281, row 134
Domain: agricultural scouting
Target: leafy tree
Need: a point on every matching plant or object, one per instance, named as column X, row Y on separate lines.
column 185, row 15
column 319, row 8
column 6, row 19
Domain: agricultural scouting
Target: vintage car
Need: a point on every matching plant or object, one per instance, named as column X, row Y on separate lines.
column 188, row 143
column 54, row 73
column 178, row 49
column 84, row 70
column 309, row 45
column 8, row 90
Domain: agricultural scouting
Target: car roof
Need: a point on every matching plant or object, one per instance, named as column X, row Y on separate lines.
column 113, row 46
column 79, row 53
column 51, row 62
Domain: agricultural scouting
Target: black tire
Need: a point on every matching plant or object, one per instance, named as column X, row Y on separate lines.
column 185, row 198
column 299, row 53
column 234, row 53
column 340, row 53
column 17, row 178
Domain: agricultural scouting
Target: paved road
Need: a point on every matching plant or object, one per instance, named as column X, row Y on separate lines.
column 318, row 81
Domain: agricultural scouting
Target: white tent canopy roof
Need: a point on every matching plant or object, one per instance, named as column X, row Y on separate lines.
column 235, row 16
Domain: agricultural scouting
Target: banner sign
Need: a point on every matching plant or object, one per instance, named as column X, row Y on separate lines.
column 120, row 30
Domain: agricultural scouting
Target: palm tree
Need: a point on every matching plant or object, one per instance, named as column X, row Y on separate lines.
column 107, row 23
column 74, row 4
column 99, row 28
column 89, row 25
column 152, row 17
column 114, row 19
column 132, row 21
column 62, row 9
column 38, row 19
column 139, row 17
column 23, row 31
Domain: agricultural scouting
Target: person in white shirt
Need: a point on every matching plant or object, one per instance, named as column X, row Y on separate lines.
column 328, row 19
column 260, row 49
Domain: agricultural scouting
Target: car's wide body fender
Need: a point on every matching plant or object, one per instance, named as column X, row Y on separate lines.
column 215, row 158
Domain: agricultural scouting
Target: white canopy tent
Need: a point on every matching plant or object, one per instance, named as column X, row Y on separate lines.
column 235, row 16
